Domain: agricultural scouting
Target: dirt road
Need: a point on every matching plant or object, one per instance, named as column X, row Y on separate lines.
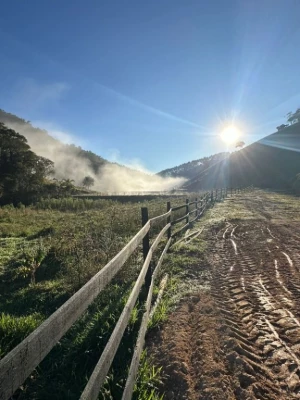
column 239, row 338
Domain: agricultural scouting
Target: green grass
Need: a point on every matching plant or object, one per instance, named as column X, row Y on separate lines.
column 148, row 380
column 14, row 329
column 49, row 251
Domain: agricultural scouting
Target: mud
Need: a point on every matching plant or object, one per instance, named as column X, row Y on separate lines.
column 239, row 338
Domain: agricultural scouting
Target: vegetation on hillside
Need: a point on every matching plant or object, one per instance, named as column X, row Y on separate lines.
column 22, row 172
column 88, row 181
column 192, row 168
column 73, row 163
column 272, row 162
column 292, row 118
column 25, row 177
column 33, row 134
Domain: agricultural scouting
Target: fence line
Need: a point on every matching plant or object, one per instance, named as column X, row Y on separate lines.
column 98, row 376
column 17, row 365
column 142, row 332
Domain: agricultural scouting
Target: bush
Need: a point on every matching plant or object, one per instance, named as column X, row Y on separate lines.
column 26, row 265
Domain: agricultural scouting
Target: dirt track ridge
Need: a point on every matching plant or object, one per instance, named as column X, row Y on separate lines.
column 240, row 339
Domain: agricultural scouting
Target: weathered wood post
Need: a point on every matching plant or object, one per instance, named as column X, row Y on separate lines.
column 146, row 246
column 196, row 200
column 187, row 210
column 169, row 219
column 212, row 196
column 201, row 205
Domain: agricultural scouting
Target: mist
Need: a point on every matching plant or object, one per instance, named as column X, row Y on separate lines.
column 69, row 164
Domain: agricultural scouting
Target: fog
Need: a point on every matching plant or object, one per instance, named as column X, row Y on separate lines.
column 111, row 177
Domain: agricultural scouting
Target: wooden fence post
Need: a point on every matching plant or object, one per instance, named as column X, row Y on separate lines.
column 187, row 210
column 196, row 200
column 146, row 246
column 212, row 196
column 201, row 204
column 169, row 219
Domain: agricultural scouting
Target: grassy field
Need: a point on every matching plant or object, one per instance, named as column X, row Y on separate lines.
column 47, row 252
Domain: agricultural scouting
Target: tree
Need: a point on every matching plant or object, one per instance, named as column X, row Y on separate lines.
column 239, row 144
column 66, row 186
column 88, row 181
column 281, row 127
column 22, row 172
column 293, row 118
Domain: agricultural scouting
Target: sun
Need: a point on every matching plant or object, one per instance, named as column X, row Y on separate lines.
column 230, row 134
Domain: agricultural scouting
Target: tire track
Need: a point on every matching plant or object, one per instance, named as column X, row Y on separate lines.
column 257, row 297
column 239, row 338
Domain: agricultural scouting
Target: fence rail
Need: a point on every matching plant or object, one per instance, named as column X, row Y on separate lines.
column 17, row 365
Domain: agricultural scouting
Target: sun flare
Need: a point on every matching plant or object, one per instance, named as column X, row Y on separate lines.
column 230, row 134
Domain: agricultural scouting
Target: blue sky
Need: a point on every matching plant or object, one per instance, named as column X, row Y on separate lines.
column 150, row 82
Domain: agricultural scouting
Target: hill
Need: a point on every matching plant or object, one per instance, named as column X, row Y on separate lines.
column 72, row 162
column 272, row 162
column 46, row 145
column 193, row 168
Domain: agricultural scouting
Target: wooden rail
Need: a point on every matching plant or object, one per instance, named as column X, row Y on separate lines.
column 17, row 365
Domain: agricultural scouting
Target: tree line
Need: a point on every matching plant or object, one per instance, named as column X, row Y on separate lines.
column 292, row 118
column 26, row 177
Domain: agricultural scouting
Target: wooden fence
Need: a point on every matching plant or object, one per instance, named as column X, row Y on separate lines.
column 17, row 365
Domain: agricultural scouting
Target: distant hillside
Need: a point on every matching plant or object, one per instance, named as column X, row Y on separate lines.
column 72, row 162
column 42, row 143
column 192, row 169
column 272, row 162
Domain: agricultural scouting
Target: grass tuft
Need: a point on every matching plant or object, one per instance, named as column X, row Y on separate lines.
column 148, row 380
column 14, row 329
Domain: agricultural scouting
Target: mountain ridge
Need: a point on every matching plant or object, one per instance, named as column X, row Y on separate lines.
column 75, row 163
column 192, row 168
column 271, row 162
